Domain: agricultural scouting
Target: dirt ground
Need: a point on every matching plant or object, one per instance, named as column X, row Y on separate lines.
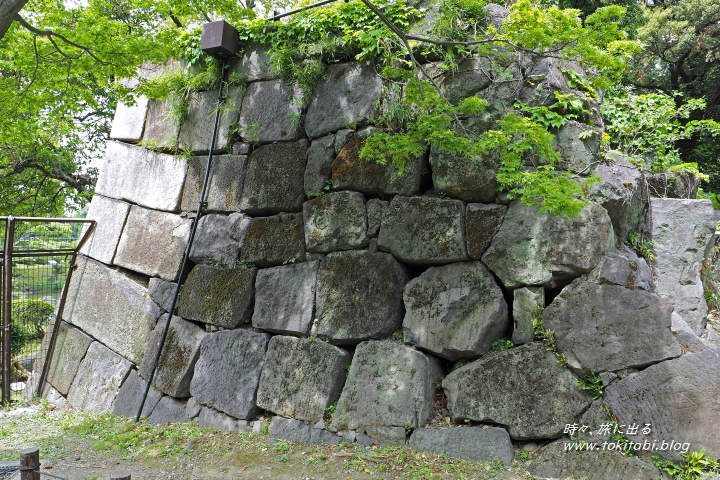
column 83, row 446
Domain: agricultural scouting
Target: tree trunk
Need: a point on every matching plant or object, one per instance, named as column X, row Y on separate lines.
column 8, row 10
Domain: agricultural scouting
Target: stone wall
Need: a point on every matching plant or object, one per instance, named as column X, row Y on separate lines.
column 350, row 302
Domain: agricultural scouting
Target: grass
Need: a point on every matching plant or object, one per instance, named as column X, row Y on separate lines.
column 64, row 435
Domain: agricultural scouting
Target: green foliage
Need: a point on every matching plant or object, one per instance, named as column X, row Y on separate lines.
column 644, row 248
column 593, row 383
column 330, row 410
column 546, row 336
column 695, row 465
column 34, row 314
column 646, row 128
column 398, row 336
column 502, row 344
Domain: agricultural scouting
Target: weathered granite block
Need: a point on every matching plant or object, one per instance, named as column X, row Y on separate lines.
column 683, row 232
column 556, row 462
column 169, row 410
column 482, row 222
column 218, row 296
column 348, row 96
column 534, row 248
column 275, row 240
column 301, row 377
column 382, row 436
column 679, row 398
column 98, row 380
column 179, row 354
column 526, row 301
column 197, row 128
column 375, row 211
column 336, row 221
column 130, row 395
column 285, row 298
column 129, row 121
column 609, row 327
column 472, row 179
column 225, row 185
column 424, row 230
column 71, row 345
column 215, row 420
column 350, row 172
column 147, row 178
column 228, row 371
column 455, row 311
column 127, row 317
column 153, row 243
column 319, row 165
column 359, row 296
column 388, row 385
column 471, row 443
column 162, row 292
column 275, row 179
column 524, row 389
column 111, row 216
column 297, row 431
column 254, row 64
column 623, row 267
column 271, row 112
column 218, row 238
column 578, row 149
column 161, row 129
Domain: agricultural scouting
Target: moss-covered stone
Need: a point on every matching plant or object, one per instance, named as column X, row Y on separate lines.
column 336, row 221
column 359, row 296
column 217, row 296
column 482, row 222
column 424, row 230
column 275, row 240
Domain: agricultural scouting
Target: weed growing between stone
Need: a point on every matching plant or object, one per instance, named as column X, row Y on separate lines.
column 67, row 437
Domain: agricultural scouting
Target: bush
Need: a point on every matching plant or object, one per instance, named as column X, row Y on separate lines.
column 34, row 315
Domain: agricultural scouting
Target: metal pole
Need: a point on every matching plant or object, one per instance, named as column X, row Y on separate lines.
column 277, row 16
column 7, row 307
column 186, row 257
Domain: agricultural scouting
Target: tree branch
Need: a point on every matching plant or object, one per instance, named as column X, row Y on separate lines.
column 52, row 35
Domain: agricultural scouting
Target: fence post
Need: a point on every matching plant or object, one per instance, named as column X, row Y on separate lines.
column 124, row 475
column 29, row 464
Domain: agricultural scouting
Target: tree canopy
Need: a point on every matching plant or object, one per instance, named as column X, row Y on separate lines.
column 61, row 62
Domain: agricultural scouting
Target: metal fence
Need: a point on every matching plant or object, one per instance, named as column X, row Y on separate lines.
column 35, row 268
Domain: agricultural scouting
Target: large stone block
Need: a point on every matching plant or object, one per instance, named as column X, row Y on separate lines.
column 336, row 221
column 228, row 371
column 275, row 240
column 225, row 184
column 71, row 345
column 127, row 317
column 471, row 179
column 683, row 232
column 319, row 165
column 424, row 230
column 350, row 172
column 359, row 296
column 388, row 385
column 524, row 389
column 472, row 443
column 275, row 179
column 271, row 112
column 349, row 95
column 215, row 420
column 622, row 191
column 623, row 267
column 375, row 212
column 555, row 462
column 98, row 380
column 482, row 222
column 578, row 145
column 298, row 431
column 679, row 398
column 609, row 327
column 161, row 126
column 254, row 64
column 178, row 357
column 141, row 176
column 301, row 377
column 170, row 410
column 472, row 76
column 153, row 243
column 285, row 298
column 218, row 296
column 455, row 311
column 534, row 248
column 196, row 130
column 218, row 238
column 111, row 216
column 129, row 122
column 130, row 395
